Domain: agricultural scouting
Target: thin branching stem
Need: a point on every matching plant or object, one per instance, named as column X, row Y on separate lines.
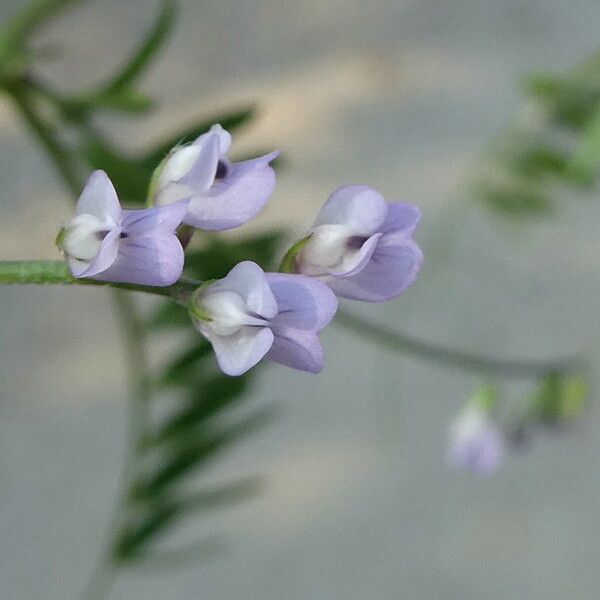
column 65, row 161
column 452, row 357
column 24, row 22
column 56, row 272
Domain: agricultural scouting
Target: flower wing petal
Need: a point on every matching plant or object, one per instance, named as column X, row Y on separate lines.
column 297, row 349
column 147, row 260
column 303, row 302
column 236, row 199
column 160, row 219
column 402, row 218
column 391, row 270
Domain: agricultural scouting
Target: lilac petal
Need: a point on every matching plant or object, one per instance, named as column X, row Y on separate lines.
column 245, row 166
column 402, row 218
column 237, row 198
column 297, row 349
column 304, row 303
column 202, row 174
column 480, row 450
column 241, row 351
column 99, row 198
column 391, row 270
column 224, row 138
column 160, row 219
column 356, row 262
column 147, row 260
column 249, row 281
column 102, row 261
column 360, row 208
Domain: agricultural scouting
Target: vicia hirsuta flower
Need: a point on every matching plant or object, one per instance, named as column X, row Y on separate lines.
column 250, row 314
column 476, row 442
column 361, row 246
column 221, row 194
column 105, row 242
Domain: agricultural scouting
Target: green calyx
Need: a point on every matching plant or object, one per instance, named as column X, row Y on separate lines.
column 153, row 187
column 59, row 241
column 288, row 264
column 197, row 313
column 485, row 399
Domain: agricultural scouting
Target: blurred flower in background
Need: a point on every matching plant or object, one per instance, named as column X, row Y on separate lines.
column 476, row 441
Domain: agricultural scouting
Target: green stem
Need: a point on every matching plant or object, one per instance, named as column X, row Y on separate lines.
column 51, row 272
column 29, row 18
column 61, row 156
column 105, row 571
column 66, row 163
column 451, row 357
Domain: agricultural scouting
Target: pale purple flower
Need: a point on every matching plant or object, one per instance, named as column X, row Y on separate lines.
column 221, row 194
column 361, row 246
column 476, row 442
column 105, row 242
column 250, row 314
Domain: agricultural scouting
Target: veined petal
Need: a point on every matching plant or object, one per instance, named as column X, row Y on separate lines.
column 234, row 200
column 241, row 351
column 391, row 270
column 105, row 258
column 202, row 172
column 304, row 303
column 99, row 199
column 147, row 260
column 160, row 219
column 359, row 207
column 402, row 217
column 249, row 281
column 297, row 349
column 224, row 138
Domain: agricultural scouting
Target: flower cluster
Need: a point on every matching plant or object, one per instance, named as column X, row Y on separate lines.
column 359, row 247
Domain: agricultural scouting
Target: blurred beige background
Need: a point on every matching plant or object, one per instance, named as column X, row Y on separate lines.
column 359, row 504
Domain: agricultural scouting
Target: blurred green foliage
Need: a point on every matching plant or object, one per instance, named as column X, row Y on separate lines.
column 559, row 399
column 198, row 429
column 171, row 451
column 553, row 145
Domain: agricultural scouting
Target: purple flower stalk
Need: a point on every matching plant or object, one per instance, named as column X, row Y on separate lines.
column 250, row 314
column 221, row 194
column 105, row 242
column 361, row 246
column 476, row 442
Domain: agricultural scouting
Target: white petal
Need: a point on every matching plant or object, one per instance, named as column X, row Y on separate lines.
column 248, row 280
column 239, row 352
column 178, row 164
column 326, row 246
column 228, row 313
column 83, row 237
